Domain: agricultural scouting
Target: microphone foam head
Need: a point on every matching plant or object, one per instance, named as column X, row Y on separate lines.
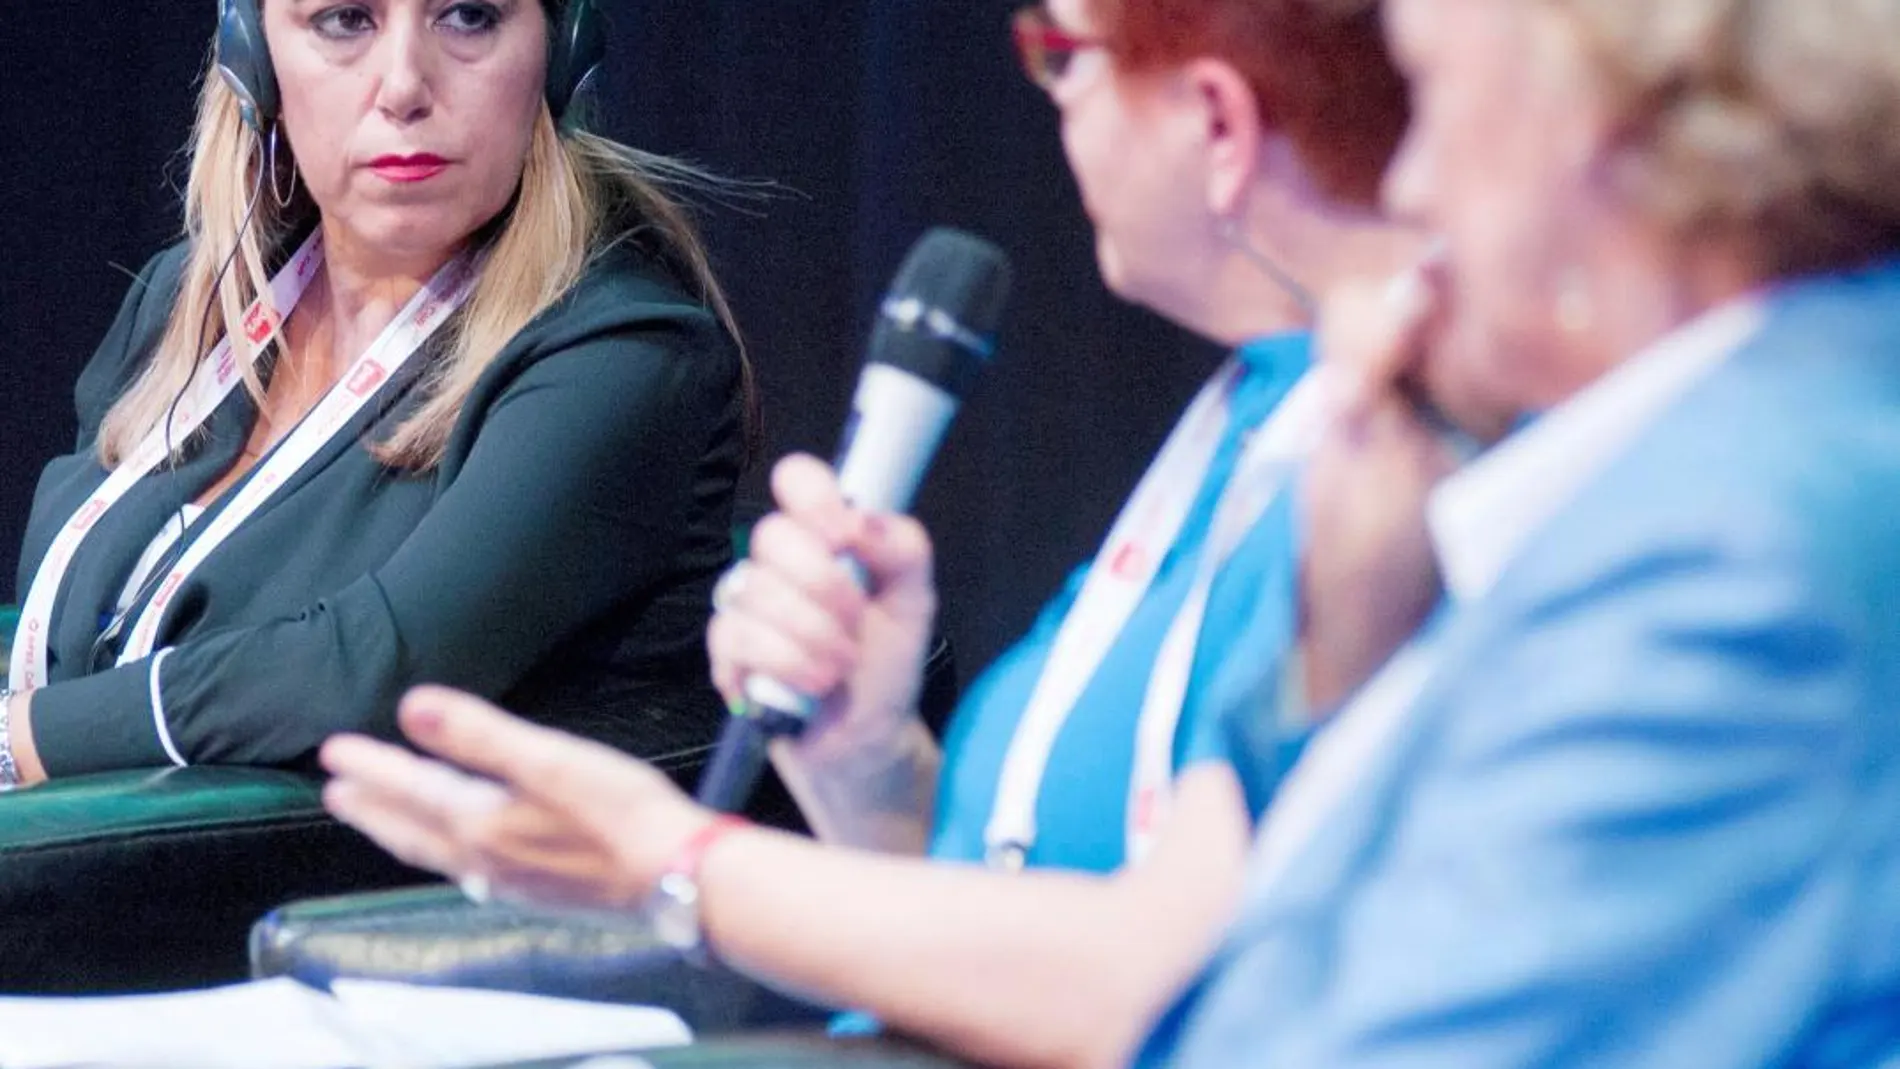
column 939, row 320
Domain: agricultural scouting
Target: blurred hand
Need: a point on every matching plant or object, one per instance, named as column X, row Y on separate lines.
column 1369, row 576
column 545, row 817
column 792, row 612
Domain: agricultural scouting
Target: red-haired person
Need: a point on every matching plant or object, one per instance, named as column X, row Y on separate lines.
column 1033, row 894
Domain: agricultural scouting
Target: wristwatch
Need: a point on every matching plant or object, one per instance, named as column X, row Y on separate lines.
column 673, row 907
column 9, row 769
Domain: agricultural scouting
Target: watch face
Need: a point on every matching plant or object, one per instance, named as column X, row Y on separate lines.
column 674, row 911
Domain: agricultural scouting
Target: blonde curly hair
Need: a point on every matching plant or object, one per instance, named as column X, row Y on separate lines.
column 1773, row 121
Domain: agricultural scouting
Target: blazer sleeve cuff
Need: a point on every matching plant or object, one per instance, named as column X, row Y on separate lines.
column 104, row 722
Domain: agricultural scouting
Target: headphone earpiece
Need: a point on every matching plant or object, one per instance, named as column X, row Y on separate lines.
column 576, row 49
column 577, row 52
column 243, row 60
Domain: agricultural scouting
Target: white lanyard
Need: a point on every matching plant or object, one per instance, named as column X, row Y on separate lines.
column 1271, row 458
column 1119, row 579
column 399, row 343
column 261, row 322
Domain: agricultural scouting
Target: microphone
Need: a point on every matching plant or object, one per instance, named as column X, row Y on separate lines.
column 935, row 331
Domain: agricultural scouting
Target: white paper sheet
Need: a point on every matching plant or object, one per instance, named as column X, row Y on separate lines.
column 442, row 1028
column 282, row 1020
column 280, row 1024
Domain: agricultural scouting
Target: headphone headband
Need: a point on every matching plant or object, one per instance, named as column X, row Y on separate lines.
column 577, row 46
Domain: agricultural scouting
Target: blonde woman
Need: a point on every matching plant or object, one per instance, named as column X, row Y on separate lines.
column 1632, row 799
column 434, row 389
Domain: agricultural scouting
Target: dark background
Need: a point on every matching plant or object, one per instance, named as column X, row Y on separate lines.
column 879, row 118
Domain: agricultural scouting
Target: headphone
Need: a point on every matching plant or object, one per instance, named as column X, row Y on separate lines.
column 576, row 49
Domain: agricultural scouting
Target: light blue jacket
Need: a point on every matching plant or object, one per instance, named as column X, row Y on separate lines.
column 1646, row 812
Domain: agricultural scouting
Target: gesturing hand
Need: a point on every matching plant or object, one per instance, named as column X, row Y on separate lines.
column 536, row 814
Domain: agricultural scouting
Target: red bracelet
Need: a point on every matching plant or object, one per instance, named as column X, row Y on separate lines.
column 692, row 853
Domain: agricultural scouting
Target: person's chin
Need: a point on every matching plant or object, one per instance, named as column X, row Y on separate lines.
column 1108, row 263
column 1158, row 292
column 1465, row 394
column 1457, row 375
column 416, row 230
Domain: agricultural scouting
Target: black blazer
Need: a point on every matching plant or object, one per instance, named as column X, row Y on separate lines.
column 560, row 560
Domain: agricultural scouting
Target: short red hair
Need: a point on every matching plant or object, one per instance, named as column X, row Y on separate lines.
column 1319, row 70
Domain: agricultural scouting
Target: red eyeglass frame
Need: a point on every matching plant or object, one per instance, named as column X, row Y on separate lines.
column 1039, row 40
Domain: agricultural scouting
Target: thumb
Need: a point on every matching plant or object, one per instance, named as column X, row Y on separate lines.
column 896, row 553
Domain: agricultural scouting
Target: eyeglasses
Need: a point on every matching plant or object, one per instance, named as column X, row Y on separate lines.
column 1046, row 49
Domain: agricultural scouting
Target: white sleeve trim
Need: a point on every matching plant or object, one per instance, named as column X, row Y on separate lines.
column 158, row 712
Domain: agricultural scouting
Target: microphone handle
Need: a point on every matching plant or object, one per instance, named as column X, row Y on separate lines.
column 738, row 759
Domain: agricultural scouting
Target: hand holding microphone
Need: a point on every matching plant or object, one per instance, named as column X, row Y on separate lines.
column 837, row 599
column 795, row 611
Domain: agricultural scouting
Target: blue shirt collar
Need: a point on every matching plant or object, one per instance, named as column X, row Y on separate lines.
column 1287, row 354
column 1277, row 358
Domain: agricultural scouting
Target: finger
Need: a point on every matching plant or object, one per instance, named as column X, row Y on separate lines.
column 540, row 853
column 535, row 762
column 396, row 772
column 1406, row 304
column 726, row 655
column 807, row 490
column 785, row 549
column 740, row 645
column 1370, row 334
column 897, row 553
column 412, row 837
column 369, row 762
column 770, row 601
column 536, row 848
column 1355, row 342
column 475, row 735
column 730, row 582
column 766, row 648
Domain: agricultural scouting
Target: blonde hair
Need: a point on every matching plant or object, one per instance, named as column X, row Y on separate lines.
column 580, row 196
column 1772, row 122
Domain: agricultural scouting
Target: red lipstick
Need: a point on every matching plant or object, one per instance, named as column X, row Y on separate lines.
column 407, row 169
